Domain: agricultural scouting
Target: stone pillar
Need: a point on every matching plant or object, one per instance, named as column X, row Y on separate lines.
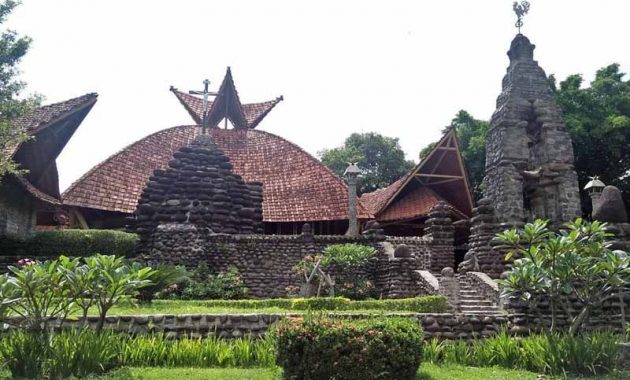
column 352, row 175
column 440, row 232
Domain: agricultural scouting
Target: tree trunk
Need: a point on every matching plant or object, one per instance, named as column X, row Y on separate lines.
column 101, row 321
column 579, row 320
column 623, row 310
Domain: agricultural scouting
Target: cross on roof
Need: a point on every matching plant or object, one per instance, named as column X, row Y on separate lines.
column 205, row 94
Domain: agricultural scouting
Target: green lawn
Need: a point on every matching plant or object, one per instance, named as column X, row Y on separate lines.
column 198, row 307
column 427, row 372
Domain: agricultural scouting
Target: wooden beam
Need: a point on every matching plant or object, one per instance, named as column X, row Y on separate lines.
column 439, row 176
column 443, row 181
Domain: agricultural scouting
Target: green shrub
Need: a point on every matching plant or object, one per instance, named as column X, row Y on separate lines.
column 320, row 303
column 74, row 243
column 59, row 356
column 424, row 304
column 554, row 353
column 203, row 285
column 341, row 349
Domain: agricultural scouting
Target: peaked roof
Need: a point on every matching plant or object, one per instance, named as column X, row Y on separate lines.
column 296, row 186
column 440, row 176
column 52, row 126
column 227, row 105
column 40, row 118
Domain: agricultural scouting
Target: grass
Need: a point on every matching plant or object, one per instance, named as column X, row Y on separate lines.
column 427, row 372
column 198, row 307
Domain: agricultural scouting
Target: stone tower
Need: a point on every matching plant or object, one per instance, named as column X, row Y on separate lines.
column 197, row 192
column 529, row 156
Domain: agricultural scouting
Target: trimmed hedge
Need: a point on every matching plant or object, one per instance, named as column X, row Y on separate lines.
column 75, row 243
column 341, row 349
column 425, row 304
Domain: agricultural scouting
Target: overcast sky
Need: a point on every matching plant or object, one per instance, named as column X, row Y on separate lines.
column 399, row 68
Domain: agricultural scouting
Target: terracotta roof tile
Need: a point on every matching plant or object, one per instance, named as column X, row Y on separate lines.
column 296, row 186
column 254, row 112
column 414, row 204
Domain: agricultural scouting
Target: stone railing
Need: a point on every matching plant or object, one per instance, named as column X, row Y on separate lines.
column 428, row 281
column 486, row 286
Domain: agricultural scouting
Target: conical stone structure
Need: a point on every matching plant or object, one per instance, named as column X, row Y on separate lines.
column 529, row 156
column 198, row 192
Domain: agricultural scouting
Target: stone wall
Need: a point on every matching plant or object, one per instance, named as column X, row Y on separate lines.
column 17, row 211
column 265, row 261
column 441, row 325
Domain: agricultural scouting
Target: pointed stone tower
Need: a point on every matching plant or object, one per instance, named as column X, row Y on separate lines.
column 197, row 192
column 529, row 156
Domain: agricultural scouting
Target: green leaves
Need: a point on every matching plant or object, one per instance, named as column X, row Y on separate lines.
column 574, row 263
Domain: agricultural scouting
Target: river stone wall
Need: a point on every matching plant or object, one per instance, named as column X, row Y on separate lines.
column 228, row 326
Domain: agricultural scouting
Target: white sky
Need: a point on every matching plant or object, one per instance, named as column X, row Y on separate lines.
column 400, row 68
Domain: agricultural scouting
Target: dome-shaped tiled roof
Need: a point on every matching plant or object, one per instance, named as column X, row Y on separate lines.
column 296, row 186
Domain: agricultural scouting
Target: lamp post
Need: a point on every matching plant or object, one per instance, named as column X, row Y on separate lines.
column 352, row 176
column 594, row 189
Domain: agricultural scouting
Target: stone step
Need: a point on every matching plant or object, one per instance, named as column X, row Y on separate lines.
column 476, row 302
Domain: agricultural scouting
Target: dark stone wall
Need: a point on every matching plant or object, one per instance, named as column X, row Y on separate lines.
column 17, row 211
column 265, row 261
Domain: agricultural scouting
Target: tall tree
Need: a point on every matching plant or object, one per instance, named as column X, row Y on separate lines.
column 598, row 119
column 472, row 134
column 12, row 49
column 380, row 158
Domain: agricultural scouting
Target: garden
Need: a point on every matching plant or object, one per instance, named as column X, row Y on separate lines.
column 58, row 318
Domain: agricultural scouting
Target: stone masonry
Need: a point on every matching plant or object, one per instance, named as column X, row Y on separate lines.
column 529, row 155
column 198, row 193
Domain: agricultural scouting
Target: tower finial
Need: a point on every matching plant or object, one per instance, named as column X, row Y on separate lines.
column 520, row 10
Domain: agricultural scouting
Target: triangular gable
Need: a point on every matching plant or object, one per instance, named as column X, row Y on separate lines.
column 227, row 105
column 443, row 171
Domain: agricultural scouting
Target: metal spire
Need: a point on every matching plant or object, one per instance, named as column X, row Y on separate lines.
column 205, row 94
column 520, row 10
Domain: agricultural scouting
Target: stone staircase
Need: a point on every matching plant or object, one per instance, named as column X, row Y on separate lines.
column 471, row 301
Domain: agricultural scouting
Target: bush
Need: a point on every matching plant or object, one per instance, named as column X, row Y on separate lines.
column 74, row 243
column 340, row 349
column 203, row 285
column 555, row 354
column 424, row 304
column 59, row 356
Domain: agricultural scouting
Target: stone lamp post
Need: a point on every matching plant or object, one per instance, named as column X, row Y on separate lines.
column 594, row 189
column 352, row 176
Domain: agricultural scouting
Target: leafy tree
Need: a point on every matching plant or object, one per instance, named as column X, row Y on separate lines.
column 12, row 49
column 380, row 158
column 598, row 119
column 574, row 269
column 472, row 135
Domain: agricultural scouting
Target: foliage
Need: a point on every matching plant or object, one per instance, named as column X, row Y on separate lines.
column 155, row 350
column 424, row 304
column 356, row 288
column 114, row 281
column 380, row 158
column 73, row 243
column 575, row 264
column 315, row 348
column 164, row 278
column 83, row 352
column 472, row 134
column 59, row 356
column 340, row 259
column 35, row 292
column 551, row 353
column 202, row 284
column 12, row 49
column 598, row 119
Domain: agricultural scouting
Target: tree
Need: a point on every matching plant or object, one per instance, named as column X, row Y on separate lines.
column 472, row 135
column 598, row 119
column 12, row 49
column 574, row 270
column 380, row 158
